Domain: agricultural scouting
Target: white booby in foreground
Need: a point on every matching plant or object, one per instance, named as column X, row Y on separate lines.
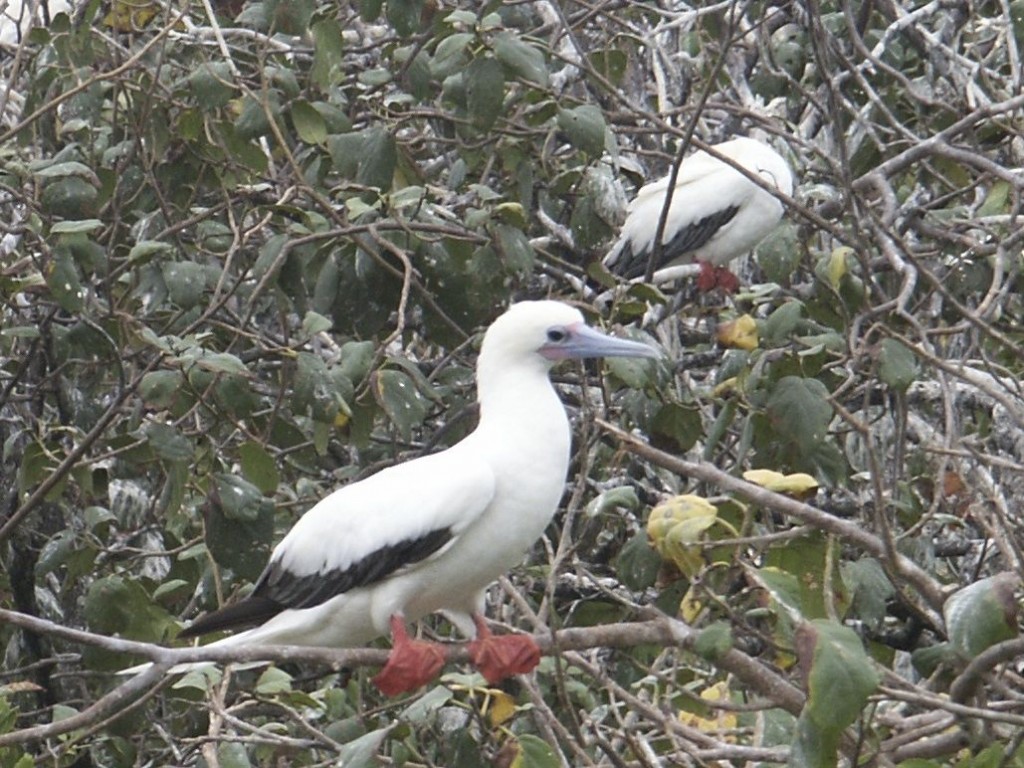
column 716, row 214
column 432, row 533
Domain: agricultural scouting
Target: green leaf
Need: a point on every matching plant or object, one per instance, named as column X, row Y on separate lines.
column 172, row 587
column 369, row 10
column 526, row 60
column 982, row 614
column 64, row 283
column 534, row 752
column 783, row 587
column 614, row 500
column 585, row 127
column 515, row 249
column 115, row 605
column 67, row 169
column 356, row 359
column 678, row 425
column 928, row 659
column 160, row 389
column 362, row 753
column 308, row 122
column 70, row 198
column 805, row 559
column 236, row 497
column 451, row 54
column 273, row 681
column 638, row 564
column 404, row 15
column 314, row 391
column 345, row 150
column 838, row 673
column 258, row 466
column 253, row 120
column 779, row 253
column 186, row 282
column 328, row 51
column 714, row 641
column 62, row 712
column 485, row 91
column 20, row 332
column 144, row 250
column 425, row 707
column 220, row 362
column 634, row 372
column 398, row 396
column 56, row 552
column 212, row 85
column 611, row 63
column 379, row 156
column 897, row 364
column 799, row 411
column 76, row 227
column 168, row 443
column 871, row 589
column 200, row 680
column 783, row 322
column 238, row 543
column 813, row 747
column 997, row 201
column 232, row 754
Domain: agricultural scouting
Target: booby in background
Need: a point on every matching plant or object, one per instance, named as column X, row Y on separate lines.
column 716, row 214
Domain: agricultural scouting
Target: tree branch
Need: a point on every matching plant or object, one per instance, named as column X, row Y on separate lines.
column 928, row 587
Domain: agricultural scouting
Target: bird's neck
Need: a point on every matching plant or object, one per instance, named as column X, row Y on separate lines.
column 525, row 404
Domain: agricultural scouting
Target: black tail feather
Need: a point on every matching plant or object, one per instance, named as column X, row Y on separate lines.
column 246, row 613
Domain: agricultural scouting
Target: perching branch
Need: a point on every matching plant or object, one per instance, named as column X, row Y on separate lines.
column 662, row 631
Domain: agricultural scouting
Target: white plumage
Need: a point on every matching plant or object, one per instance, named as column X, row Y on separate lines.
column 432, row 533
column 716, row 213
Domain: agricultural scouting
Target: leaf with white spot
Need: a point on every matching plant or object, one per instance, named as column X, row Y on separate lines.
column 398, row 396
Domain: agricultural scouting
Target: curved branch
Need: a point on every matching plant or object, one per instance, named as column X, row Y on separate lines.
column 928, row 587
column 109, row 704
column 968, row 681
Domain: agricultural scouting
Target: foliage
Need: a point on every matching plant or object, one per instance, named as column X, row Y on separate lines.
column 245, row 260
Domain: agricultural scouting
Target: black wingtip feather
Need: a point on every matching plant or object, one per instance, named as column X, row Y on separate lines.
column 247, row 613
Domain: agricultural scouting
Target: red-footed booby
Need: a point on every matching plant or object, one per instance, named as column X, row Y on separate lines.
column 432, row 533
column 716, row 214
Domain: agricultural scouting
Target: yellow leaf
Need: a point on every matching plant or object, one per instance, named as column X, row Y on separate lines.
column 798, row 485
column 741, row 333
column 690, row 607
column 676, row 525
column 130, row 15
column 837, row 267
column 762, row 477
column 727, row 387
column 501, row 707
column 723, row 719
column 341, row 419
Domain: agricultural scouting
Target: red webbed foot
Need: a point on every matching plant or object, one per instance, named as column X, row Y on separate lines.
column 712, row 277
column 498, row 657
column 411, row 663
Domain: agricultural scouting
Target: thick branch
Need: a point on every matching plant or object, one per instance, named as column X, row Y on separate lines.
column 663, row 631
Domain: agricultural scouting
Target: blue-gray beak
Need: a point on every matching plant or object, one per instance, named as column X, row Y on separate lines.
column 581, row 341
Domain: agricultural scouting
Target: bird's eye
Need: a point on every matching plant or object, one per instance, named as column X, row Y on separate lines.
column 556, row 335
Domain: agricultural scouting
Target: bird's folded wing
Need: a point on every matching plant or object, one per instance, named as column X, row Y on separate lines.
column 370, row 530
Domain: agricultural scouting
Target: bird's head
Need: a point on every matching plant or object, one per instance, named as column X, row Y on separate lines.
column 544, row 332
